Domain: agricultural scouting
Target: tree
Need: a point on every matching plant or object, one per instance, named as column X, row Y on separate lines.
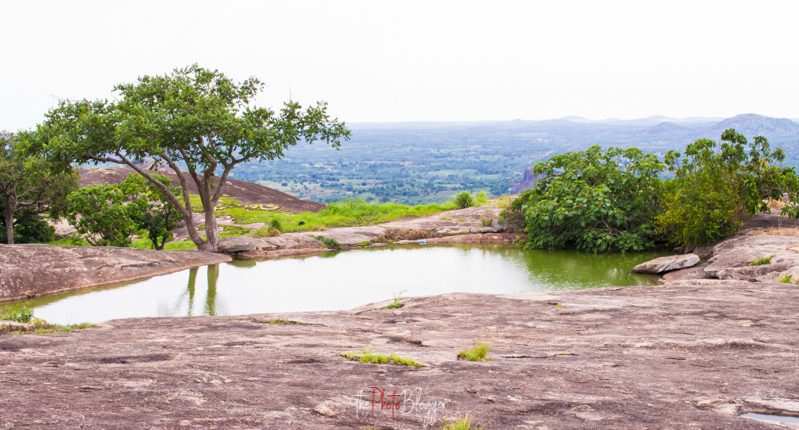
column 593, row 200
column 29, row 184
column 193, row 118
column 718, row 186
column 108, row 214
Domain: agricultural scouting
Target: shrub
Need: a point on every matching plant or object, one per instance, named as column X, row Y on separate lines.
column 330, row 242
column 19, row 314
column 718, row 186
column 464, row 200
column 786, row 279
column 275, row 224
column 593, row 200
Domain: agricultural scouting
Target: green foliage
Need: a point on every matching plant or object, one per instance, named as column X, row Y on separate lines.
column 478, row 352
column 717, row 187
column 761, row 261
column 464, row 200
column 195, row 117
column 19, row 314
column 107, row 215
column 339, row 214
column 397, row 302
column 29, row 186
column 593, row 200
column 461, row 423
column 275, row 224
column 786, row 279
column 329, row 242
column 367, row 356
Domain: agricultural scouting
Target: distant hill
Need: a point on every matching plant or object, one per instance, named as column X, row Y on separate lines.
column 751, row 125
column 246, row 192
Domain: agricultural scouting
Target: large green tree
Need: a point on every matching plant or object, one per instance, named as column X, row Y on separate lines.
column 29, row 184
column 193, row 118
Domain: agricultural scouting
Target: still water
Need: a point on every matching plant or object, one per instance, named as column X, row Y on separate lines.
column 343, row 280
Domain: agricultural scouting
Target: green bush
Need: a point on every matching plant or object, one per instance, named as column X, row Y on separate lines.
column 762, row 261
column 19, row 314
column 275, row 224
column 593, row 200
column 464, row 200
column 717, row 187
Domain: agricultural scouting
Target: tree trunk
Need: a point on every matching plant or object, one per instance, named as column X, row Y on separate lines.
column 211, row 233
column 9, row 225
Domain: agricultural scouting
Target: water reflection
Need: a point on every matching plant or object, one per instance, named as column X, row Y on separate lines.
column 342, row 280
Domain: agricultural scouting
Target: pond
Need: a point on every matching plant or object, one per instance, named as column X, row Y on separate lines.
column 343, row 280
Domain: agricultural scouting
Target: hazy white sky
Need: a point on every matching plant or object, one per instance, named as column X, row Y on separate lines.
column 425, row 60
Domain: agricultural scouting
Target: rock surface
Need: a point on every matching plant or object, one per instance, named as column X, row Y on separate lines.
column 681, row 356
column 667, row 264
column 33, row 270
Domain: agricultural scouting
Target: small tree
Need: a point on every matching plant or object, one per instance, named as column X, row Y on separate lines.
column 107, row 215
column 193, row 118
column 593, row 200
column 718, row 186
column 29, row 184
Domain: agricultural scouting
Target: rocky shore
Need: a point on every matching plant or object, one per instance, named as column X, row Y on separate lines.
column 719, row 339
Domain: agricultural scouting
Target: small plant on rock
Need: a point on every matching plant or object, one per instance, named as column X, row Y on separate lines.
column 786, row 279
column 464, row 200
column 329, row 242
column 397, row 303
column 478, row 352
column 762, row 260
column 462, row 423
column 486, row 221
column 367, row 356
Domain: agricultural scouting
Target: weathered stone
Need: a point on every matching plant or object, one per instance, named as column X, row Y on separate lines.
column 732, row 257
column 33, row 269
column 232, row 245
column 667, row 264
column 687, row 355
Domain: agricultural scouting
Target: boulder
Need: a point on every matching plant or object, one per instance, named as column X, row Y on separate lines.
column 232, row 245
column 667, row 264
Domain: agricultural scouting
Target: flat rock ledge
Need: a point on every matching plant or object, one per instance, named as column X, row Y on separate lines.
column 667, row 264
column 689, row 355
column 32, row 270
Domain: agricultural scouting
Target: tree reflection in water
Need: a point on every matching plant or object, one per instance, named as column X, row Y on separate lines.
column 210, row 297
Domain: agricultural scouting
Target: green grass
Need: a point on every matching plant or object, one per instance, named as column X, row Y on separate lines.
column 63, row 329
column 280, row 320
column 345, row 213
column 397, row 303
column 462, row 423
column 367, row 356
column 70, row 241
column 762, row 260
column 478, row 352
column 329, row 242
column 786, row 279
column 19, row 314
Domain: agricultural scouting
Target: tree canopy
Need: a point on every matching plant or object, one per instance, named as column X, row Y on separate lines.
column 593, row 200
column 194, row 119
column 29, row 184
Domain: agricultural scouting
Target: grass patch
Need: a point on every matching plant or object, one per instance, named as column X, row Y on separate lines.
column 43, row 327
column 364, row 243
column 445, row 218
column 397, row 303
column 486, row 221
column 344, row 213
column 786, row 279
column 70, row 241
column 461, row 423
column 280, row 320
column 264, row 232
column 329, row 242
column 19, row 314
column 367, row 356
column 478, row 352
column 461, row 220
column 762, row 260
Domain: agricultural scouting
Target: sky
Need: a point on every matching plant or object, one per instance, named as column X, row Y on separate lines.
column 418, row 60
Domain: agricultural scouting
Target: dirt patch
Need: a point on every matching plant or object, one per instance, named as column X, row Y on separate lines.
column 396, row 234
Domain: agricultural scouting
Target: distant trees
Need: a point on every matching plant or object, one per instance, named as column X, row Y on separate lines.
column 29, row 186
column 193, row 118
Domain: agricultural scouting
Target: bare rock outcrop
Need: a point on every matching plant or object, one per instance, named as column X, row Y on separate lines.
column 33, row 270
column 688, row 355
column 667, row 264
